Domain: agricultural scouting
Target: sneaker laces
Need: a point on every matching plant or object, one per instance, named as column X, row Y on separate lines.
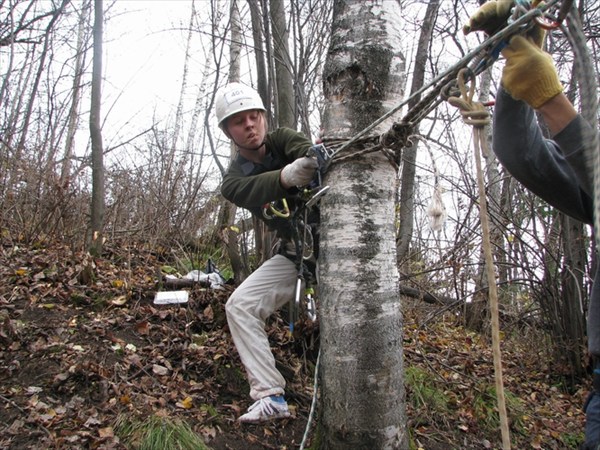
column 267, row 407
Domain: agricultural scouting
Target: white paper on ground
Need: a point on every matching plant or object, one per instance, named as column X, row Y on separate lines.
column 171, row 297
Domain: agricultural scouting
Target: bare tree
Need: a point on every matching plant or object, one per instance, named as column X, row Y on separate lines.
column 283, row 66
column 97, row 206
column 409, row 154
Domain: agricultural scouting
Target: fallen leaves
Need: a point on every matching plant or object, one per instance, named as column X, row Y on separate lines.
column 75, row 356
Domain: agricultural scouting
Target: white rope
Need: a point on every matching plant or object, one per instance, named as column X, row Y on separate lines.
column 475, row 114
column 313, row 404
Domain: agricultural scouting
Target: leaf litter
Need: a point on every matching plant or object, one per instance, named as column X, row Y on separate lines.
column 82, row 346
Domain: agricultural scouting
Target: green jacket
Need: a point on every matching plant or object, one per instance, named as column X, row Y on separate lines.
column 250, row 185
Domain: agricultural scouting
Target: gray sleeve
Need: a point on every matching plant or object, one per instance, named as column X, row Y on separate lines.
column 536, row 162
column 572, row 141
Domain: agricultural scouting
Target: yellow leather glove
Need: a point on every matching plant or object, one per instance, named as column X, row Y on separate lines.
column 529, row 73
column 490, row 17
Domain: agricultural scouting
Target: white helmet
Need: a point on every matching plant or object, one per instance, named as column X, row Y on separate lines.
column 236, row 97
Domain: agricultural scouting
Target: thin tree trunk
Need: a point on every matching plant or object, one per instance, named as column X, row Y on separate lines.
column 260, row 35
column 573, row 293
column 63, row 209
column 228, row 210
column 97, row 208
column 409, row 154
column 259, row 52
column 283, row 67
column 74, row 109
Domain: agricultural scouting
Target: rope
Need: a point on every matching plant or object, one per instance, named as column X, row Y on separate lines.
column 479, row 59
column 475, row 114
column 312, row 405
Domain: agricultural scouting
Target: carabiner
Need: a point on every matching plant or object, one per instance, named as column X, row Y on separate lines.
column 270, row 210
column 546, row 23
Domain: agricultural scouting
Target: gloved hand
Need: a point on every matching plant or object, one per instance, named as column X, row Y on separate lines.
column 299, row 173
column 529, row 73
column 490, row 17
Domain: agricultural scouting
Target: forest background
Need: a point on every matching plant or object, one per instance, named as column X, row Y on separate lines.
column 163, row 156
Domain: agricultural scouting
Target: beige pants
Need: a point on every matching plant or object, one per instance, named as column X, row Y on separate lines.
column 268, row 288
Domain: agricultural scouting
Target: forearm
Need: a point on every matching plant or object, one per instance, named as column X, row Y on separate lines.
column 557, row 113
column 253, row 191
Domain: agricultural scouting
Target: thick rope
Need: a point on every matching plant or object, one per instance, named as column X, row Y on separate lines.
column 475, row 114
column 589, row 107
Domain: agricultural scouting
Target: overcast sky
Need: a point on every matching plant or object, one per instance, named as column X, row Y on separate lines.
column 144, row 56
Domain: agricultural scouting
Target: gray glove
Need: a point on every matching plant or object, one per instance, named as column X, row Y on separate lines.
column 299, row 173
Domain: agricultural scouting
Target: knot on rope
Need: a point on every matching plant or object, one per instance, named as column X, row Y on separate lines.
column 397, row 136
column 473, row 113
column 394, row 140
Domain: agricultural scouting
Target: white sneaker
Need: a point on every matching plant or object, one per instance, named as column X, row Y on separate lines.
column 266, row 409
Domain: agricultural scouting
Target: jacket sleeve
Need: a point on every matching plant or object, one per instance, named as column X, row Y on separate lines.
column 539, row 163
column 572, row 140
column 252, row 191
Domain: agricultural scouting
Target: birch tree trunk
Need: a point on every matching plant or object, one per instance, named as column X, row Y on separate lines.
column 361, row 325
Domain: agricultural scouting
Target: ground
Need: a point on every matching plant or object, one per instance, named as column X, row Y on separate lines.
column 84, row 348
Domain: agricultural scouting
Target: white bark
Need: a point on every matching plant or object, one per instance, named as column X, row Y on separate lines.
column 361, row 330
column 361, row 319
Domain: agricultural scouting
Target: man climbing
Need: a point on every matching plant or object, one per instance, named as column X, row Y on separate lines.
column 554, row 169
column 269, row 167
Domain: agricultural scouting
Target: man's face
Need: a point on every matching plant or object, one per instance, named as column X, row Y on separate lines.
column 247, row 129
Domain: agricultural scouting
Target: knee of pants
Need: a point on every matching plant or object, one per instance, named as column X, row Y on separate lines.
column 236, row 307
column 232, row 305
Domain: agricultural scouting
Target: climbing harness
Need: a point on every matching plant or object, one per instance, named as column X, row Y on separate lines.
column 302, row 234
